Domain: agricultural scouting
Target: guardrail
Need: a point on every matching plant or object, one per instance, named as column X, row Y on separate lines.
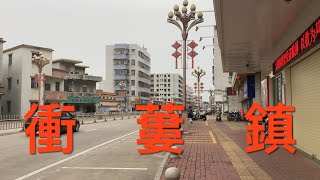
column 93, row 117
column 11, row 122
column 17, row 121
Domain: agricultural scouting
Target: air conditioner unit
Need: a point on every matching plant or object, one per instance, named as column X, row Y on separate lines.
column 70, row 89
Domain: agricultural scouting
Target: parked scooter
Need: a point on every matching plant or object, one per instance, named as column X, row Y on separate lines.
column 199, row 115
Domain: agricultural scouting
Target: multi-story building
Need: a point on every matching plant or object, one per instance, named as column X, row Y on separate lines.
column 109, row 102
column 129, row 63
column 64, row 82
column 190, row 99
column 275, row 51
column 18, row 73
column 222, row 80
column 166, row 88
column 80, row 86
column 2, row 90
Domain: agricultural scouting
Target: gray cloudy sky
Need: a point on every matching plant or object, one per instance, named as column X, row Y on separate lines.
column 80, row 29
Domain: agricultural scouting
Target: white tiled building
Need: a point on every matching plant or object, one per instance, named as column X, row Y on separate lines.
column 2, row 90
column 18, row 71
column 166, row 87
column 129, row 63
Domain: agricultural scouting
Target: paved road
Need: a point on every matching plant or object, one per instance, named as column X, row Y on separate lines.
column 101, row 151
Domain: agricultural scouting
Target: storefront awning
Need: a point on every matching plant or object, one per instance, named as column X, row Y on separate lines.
column 252, row 34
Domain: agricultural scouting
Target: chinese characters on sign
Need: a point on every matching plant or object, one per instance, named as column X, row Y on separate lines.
column 48, row 123
column 279, row 128
column 308, row 38
column 160, row 131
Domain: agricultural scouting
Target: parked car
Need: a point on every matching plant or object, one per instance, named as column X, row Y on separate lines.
column 64, row 116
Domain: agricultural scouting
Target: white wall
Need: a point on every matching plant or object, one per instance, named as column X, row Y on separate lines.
column 22, row 69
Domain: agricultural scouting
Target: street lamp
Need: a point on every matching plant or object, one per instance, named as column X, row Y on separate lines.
column 198, row 73
column 40, row 61
column 197, row 27
column 185, row 18
column 211, row 94
column 201, row 38
column 122, row 85
column 206, row 46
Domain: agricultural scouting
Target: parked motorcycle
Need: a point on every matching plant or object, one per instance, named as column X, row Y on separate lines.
column 218, row 118
column 199, row 115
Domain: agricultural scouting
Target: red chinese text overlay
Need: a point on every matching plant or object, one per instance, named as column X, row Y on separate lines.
column 48, row 123
column 279, row 128
column 160, row 130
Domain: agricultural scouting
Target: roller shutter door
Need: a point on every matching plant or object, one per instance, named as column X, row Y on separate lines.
column 305, row 88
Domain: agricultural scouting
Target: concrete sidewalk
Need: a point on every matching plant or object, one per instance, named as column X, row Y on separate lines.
column 216, row 150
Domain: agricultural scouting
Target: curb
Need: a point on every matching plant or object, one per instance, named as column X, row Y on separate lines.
column 19, row 131
column 161, row 167
column 10, row 133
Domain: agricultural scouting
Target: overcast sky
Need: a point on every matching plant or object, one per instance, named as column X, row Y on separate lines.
column 80, row 29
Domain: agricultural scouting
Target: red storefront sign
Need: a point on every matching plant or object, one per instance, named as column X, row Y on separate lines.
column 305, row 41
column 231, row 92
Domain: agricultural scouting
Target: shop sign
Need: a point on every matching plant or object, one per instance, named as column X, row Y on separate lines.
column 249, row 87
column 231, row 91
column 309, row 38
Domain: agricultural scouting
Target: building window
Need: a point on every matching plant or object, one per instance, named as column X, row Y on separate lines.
column 133, row 93
column 47, row 87
column 133, row 72
column 57, row 86
column 34, row 54
column 10, row 60
column 133, row 82
column 133, row 50
column 9, row 83
column 17, row 81
column 84, row 88
column 8, row 106
column 168, row 85
column 33, row 83
column 133, row 62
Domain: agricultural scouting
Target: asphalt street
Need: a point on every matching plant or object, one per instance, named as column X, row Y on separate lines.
column 106, row 150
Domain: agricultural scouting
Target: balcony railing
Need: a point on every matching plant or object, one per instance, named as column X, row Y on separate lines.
column 84, row 77
column 83, row 94
column 56, row 95
column 121, row 66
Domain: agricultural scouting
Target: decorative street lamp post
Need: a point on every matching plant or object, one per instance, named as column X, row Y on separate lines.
column 122, row 85
column 198, row 73
column 40, row 61
column 211, row 95
column 185, row 18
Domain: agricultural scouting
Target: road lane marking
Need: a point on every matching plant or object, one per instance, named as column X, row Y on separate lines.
column 214, row 141
column 90, row 130
column 106, row 168
column 71, row 157
column 117, row 125
column 207, row 123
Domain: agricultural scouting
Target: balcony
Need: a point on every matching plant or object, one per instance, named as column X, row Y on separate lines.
column 121, row 77
column 84, row 77
column 83, row 94
column 121, row 56
column 121, row 66
column 56, row 95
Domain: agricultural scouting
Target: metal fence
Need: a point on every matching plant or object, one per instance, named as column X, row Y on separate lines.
column 11, row 122
column 94, row 117
column 17, row 121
